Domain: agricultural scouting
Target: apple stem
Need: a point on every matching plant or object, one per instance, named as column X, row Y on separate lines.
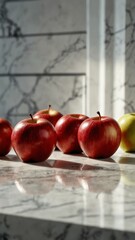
column 99, row 115
column 49, row 107
column 31, row 116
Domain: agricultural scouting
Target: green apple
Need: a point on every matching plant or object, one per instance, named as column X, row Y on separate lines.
column 127, row 125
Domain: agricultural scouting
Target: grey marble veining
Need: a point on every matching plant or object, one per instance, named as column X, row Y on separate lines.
column 50, row 37
column 21, row 97
column 43, row 54
column 42, row 44
column 110, row 56
column 70, row 193
column 120, row 47
column 47, row 16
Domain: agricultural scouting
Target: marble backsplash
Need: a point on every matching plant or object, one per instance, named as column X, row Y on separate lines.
column 44, row 54
column 110, row 58
column 120, row 46
column 43, row 57
column 21, row 95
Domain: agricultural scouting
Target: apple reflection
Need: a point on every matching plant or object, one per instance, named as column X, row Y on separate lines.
column 127, row 166
column 91, row 178
column 35, row 182
column 35, row 186
column 66, row 179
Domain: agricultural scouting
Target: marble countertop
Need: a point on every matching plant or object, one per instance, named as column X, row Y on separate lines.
column 66, row 196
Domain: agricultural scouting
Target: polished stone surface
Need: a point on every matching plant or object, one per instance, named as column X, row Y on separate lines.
column 68, row 194
column 48, row 37
column 42, row 57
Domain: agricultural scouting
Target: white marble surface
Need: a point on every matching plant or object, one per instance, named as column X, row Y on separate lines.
column 38, row 93
column 68, row 194
column 46, row 16
column 111, row 51
column 49, row 37
column 43, row 46
column 43, row 54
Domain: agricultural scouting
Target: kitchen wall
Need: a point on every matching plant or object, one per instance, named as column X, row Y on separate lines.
column 44, row 60
column 111, row 56
column 42, row 56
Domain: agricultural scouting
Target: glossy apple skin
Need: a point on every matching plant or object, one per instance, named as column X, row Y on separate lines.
column 50, row 114
column 66, row 130
column 34, row 141
column 127, row 125
column 99, row 138
column 5, row 136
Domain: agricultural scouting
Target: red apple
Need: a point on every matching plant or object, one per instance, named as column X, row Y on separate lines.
column 99, row 137
column 33, row 140
column 5, row 136
column 66, row 129
column 49, row 114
